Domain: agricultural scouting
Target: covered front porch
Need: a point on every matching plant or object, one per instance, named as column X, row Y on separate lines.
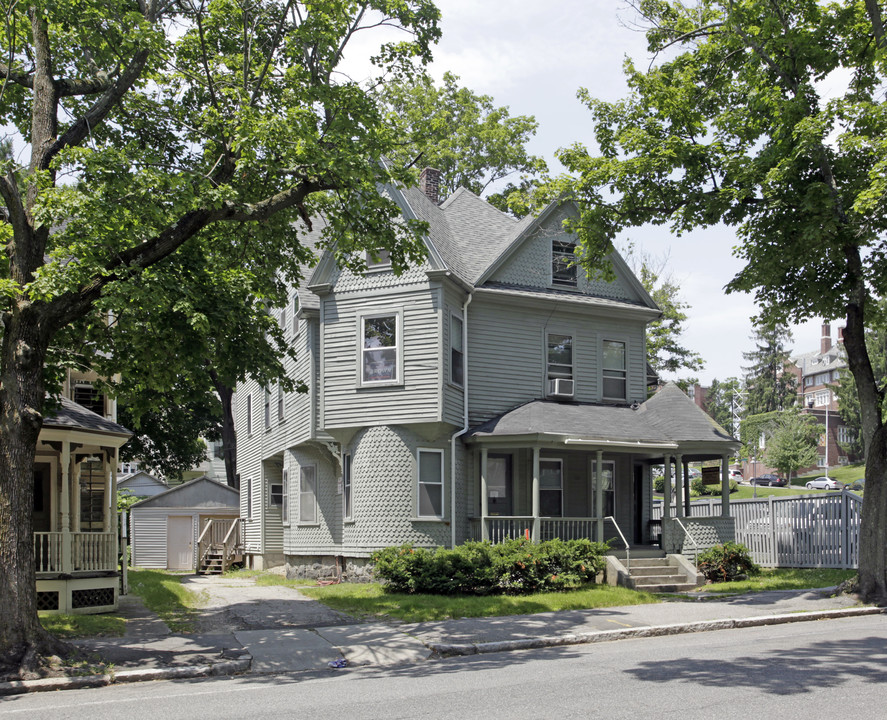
column 567, row 470
column 75, row 511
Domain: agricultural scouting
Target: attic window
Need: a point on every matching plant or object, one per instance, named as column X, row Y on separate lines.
column 87, row 396
column 378, row 259
column 563, row 267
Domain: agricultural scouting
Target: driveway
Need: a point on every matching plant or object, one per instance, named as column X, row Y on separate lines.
column 233, row 604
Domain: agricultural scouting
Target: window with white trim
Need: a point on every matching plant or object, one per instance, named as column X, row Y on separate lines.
column 822, row 398
column 845, row 435
column 346, row 486
column 296, row 312
column 283, row 318
column 267, row 407
column 457, row 357
column 551, row 487
column 249, row 414
column 249, row 498
column 615, row 375
column 430, row 475
column 280, row 402
column 308, row 494
column 275, row 494
column 608, row 489
column 379, row 348
column 564, row 271
column 284, row 497
column 379, row 259
column 560, row 356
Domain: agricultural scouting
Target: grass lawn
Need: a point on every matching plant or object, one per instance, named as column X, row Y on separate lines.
column 368, row 600
column 73, row 626
column 783, row 579
column 265, row 579
column 163, row 592
column 846, row 474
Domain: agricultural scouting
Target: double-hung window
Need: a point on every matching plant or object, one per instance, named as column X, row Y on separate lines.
column 614, row 367
column 379, row 259
column 267, row 407
column 564, row 272
column 249, row 498
column 551, row 487
column 307, row 494
column 249, row 414
column 280, row 400
column 457, row 372
column 430, row 464
column 560, row 357
column 284, row 497
column 380, row 348
column 346, row 486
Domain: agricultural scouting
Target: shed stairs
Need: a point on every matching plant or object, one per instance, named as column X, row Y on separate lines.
column 653, row 572
column 213, row 563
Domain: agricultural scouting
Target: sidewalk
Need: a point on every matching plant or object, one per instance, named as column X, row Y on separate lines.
column 149, row 651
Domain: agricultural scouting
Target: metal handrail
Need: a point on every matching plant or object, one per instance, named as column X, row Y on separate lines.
column 688, row 534
column 627, row 551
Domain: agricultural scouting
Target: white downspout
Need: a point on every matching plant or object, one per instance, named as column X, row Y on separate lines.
column 464, row 429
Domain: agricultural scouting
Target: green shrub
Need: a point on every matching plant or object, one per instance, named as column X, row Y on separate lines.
column 698, row 488
column 659, row 484
column 730, row 561
column 514, row 567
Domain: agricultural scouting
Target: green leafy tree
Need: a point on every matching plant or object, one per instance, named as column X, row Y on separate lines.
column 769, row 383
column 472, row 142
column 729, row 125
column 793, row 442
column 172, row 125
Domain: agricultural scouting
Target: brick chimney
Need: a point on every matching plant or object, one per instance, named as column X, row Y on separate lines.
column 841, row 334
column 429, row 183
column 825, row 343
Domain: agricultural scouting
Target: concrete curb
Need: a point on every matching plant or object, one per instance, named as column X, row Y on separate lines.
column 228, row 667
column 543, row 641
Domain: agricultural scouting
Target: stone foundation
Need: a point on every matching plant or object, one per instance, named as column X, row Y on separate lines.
column 328, row 567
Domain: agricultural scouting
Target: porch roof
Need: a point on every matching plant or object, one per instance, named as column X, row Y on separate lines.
column 72, row 416
column 667, row 423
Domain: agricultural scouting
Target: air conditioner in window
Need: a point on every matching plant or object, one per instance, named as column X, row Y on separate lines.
column 560, row 387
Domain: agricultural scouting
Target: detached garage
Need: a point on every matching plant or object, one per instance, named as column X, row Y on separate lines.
column 179, row 528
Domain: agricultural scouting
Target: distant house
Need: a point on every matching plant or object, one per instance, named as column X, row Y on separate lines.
column 166, row 529
column 494, row 391
column 141, row 484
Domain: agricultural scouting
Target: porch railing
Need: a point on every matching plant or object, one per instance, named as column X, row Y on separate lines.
column 501, row 528
column 220, row 538
column 90, row 552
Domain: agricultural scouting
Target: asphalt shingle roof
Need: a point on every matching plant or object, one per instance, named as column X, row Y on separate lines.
column 76, row 417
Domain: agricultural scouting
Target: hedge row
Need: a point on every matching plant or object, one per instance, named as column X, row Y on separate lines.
column 514, row 567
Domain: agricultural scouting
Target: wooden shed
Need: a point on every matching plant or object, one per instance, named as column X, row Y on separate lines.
column 168, row 529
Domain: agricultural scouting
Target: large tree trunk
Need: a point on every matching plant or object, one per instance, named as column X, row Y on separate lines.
column 229, row 436
column 22, row 638
column 873, row 530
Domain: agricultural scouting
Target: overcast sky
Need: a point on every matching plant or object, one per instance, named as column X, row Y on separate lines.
column 533, row 57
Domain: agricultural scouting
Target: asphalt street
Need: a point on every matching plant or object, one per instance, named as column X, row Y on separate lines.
column 834, row 668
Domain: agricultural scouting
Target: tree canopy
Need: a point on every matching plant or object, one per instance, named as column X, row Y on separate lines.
column 730, row 124
column 148, row 144
column 769, row 383
column 472, row 142
column 793, row 442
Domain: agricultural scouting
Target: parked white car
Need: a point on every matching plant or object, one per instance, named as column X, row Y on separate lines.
column 736, row 475
column 824, row 483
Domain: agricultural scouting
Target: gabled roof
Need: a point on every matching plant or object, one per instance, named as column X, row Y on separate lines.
column 200, row 492
column 140, row 477
column 680, row 418
column 72, row 416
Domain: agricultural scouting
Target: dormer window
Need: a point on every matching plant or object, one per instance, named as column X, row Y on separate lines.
column 87, row 396
column 378, row 259
column 563, row 264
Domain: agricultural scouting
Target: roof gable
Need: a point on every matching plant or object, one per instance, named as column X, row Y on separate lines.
column 201, row 492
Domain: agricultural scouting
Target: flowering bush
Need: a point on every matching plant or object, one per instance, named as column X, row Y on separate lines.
column 730, row 561
column 480, row 568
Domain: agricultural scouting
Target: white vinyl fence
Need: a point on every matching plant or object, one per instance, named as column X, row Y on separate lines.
column 797, row 531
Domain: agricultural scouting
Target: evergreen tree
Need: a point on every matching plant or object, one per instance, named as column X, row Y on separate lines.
column 770, row 386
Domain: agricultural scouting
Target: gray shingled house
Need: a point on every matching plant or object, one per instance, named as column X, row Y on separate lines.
column 493, row 391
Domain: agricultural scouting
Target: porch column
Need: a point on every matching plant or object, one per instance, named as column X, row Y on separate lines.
column 76, row 469
column 686, row 488
column 666, row 492
column 107, row 493
column 680, row 478
column 536, row 502
column 725, row 486
column 65, row 471
column 484, row 500
column 599, row 494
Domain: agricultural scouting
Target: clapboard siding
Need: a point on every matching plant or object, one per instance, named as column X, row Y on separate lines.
column 345, row 404
column 507, row 353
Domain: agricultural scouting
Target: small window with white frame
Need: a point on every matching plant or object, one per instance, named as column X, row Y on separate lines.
column 380, row 349
column 564, row 271
column 379, row 259
column 457, row 353
column 281, row 397
column 430, row 476
column 296, row 312
column 249, row 498
column 307, row 494
column 249, row 414
column 559, row 353
column 615, row 375
column 551, row 487
column 267, row 407
column 275, row 494
column 284, row 498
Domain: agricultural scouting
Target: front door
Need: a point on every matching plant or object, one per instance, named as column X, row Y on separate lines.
column 499, row 493
column 179, row 542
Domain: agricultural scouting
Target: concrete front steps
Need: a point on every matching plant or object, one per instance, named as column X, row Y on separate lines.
column 660, row 573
